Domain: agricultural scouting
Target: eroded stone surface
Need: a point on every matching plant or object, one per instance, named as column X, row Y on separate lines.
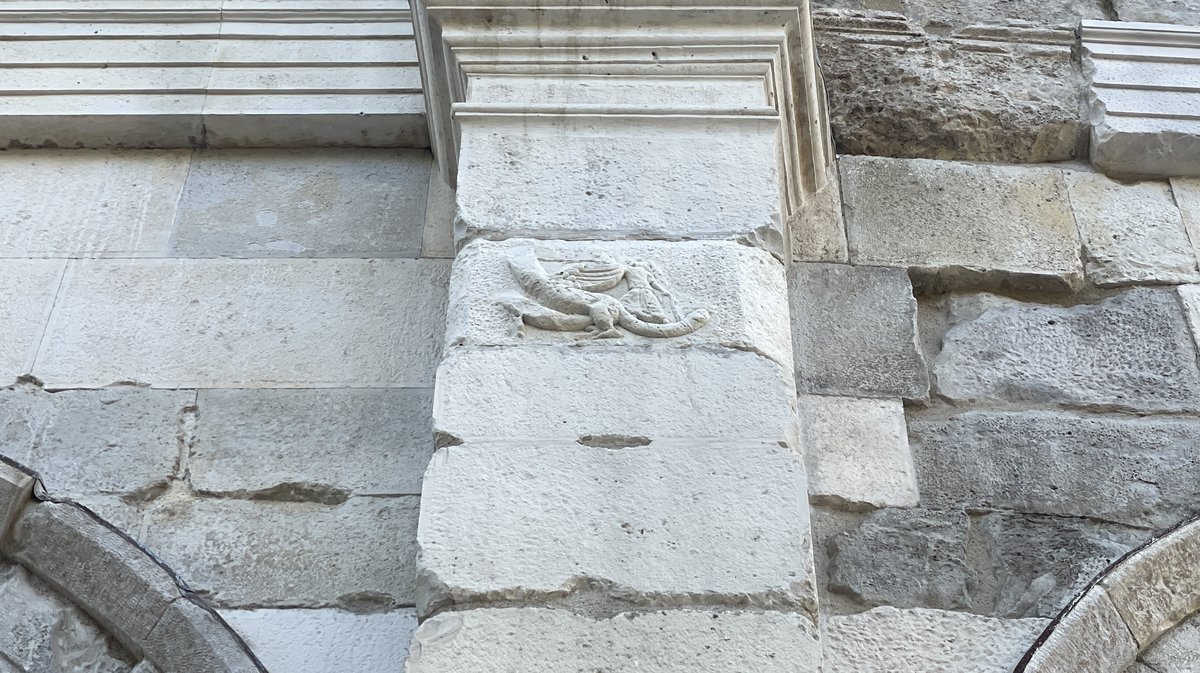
column 1159, row 587
column 1180, row 12
column 191, row 639
column 1186, row 192
column 319, row 641
column 1176, row 651
column 29, row 287
column 936, row 16
column 1092, row 637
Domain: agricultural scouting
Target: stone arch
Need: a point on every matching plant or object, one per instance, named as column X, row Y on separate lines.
column 1124, row 609
column 130, row 594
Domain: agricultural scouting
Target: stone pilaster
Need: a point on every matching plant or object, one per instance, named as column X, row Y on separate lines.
column 620, row 481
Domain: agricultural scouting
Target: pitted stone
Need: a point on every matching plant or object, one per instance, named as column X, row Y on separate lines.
column 939, row 16
column 1179, row 12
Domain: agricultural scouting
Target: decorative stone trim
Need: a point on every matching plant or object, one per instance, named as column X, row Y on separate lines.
column 119, row 584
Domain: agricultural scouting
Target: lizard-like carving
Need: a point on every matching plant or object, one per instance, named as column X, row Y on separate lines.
column 573, row 300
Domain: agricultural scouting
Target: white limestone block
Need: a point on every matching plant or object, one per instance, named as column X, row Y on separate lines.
column 437, row 239
column 857, row 452
column 319, row 641
column 1155, row 591
column 246, row 323
column 1132, row 233
column 888, row 640
column 84, row 203
column 743, row 290
column 556, row 392
column 515, row 640
column 662, row 525
column 28, row 287
column 1091, row 637
column 1187, row 196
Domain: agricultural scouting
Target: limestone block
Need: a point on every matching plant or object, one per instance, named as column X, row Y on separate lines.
column 319, row 641
column 1140, row 472
column 1131, row 233
column 1129, row 351
column 590, row 394
column 191, row 639
column 742, row 289
column 854, row 332
column 246, row 323
column 857, row 452
column 514, row 640
column 905, row 558
column 960, row 225
column 327, row 443
column 81, row 203
column 1176, row 651
column 303, row 203
column 1092, row 637
column 437, row 239
column 268, row 554
column 653, row 526
column 1180, row 12
column 1155, row 591
column 29, row 287
column 1187, row 196
column 1042, row 563
column 83, row 442
column 887, row 640
column 937, row 16
column 592, row 178
column 818, row 231
column 16, row 488
column 1189, row 295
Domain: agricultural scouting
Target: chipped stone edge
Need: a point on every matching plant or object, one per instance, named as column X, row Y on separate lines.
column 1130, row 586
column 21, row 494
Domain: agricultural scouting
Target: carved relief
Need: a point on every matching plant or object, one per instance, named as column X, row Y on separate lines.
column 574, row 298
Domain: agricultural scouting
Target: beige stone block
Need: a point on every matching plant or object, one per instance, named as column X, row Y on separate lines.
column 84, row 203
column 516, row 640
column 28, row 287
column 959, row 225
column 1132, row 233
column 597, row 393
column 319, row 641
column 662, row 525
column 1176, row 651
column 247, row 323
column 857, row 452
column 1091, row 637
column 742, row 289
column 1157, row 589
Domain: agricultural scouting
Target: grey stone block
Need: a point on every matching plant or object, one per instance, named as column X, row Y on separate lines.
column 28, row 287
column 303, row 203
column 191, row 639
column 1091, row 637
column 1180, row 12
column 16, row 489
column 320, row 641
column 1159, row 586
column 1131, row 351
column 361, row 441
column 1139, row 472
column 937, row 16
column 854, row 332
column 904, row 558
column 1176, row 651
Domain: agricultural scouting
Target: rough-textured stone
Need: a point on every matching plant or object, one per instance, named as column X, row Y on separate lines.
column 28, row 287
column 854, row 332
column 1177, row 650
column 911, row 95
column 437, row 239
column 957, row 224
column 303, row 203
column 307, row 554
column 258, row 442
column 1189, row 295
column 191, row 639
column 1132, row 233
column 1187, row 196
column 937, row 16
column 1159, row 586
column 857, row 452
column 16, row 488
column 887, row 640
column 1091, row 637
column 246, row 323
column 80, row 203
column 1130, row 351
column 818, row 231
column 684, row 524
column 1042, row 563
column 1140, row 472
column 740, row 287
column 905, row 558
column 517, row 640
column 1182, row 12
column 117, row 440
column 319, row 641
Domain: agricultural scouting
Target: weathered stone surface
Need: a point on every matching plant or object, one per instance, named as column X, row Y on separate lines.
column 16, row 488
column 73, row 203
column 1176, row 651
column 740, row 287
column 887, row 640
column 1130, row 351
column 905, row 558
column 319, row 641
column 910, row 95
column 303, row 203
column 191, row 639
column 1158, row 587
column 1189, row 295
column 938, row 16
column 1132, row 233
column 854, row 332
column 516, row 640
column 246, row 323
column 554, row 392
column 28, row 287
column 258, row 553
column 857, row 452
column 1042, row 563
column 961, row 225
column 1186, row 192
column 437, row 239
column 336, row 442
column 1090, row 638
column 818, row 231
column 1181, row 12
column 650, row 526
column 41, row 632
column 121, row 440
column 1140, row 472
